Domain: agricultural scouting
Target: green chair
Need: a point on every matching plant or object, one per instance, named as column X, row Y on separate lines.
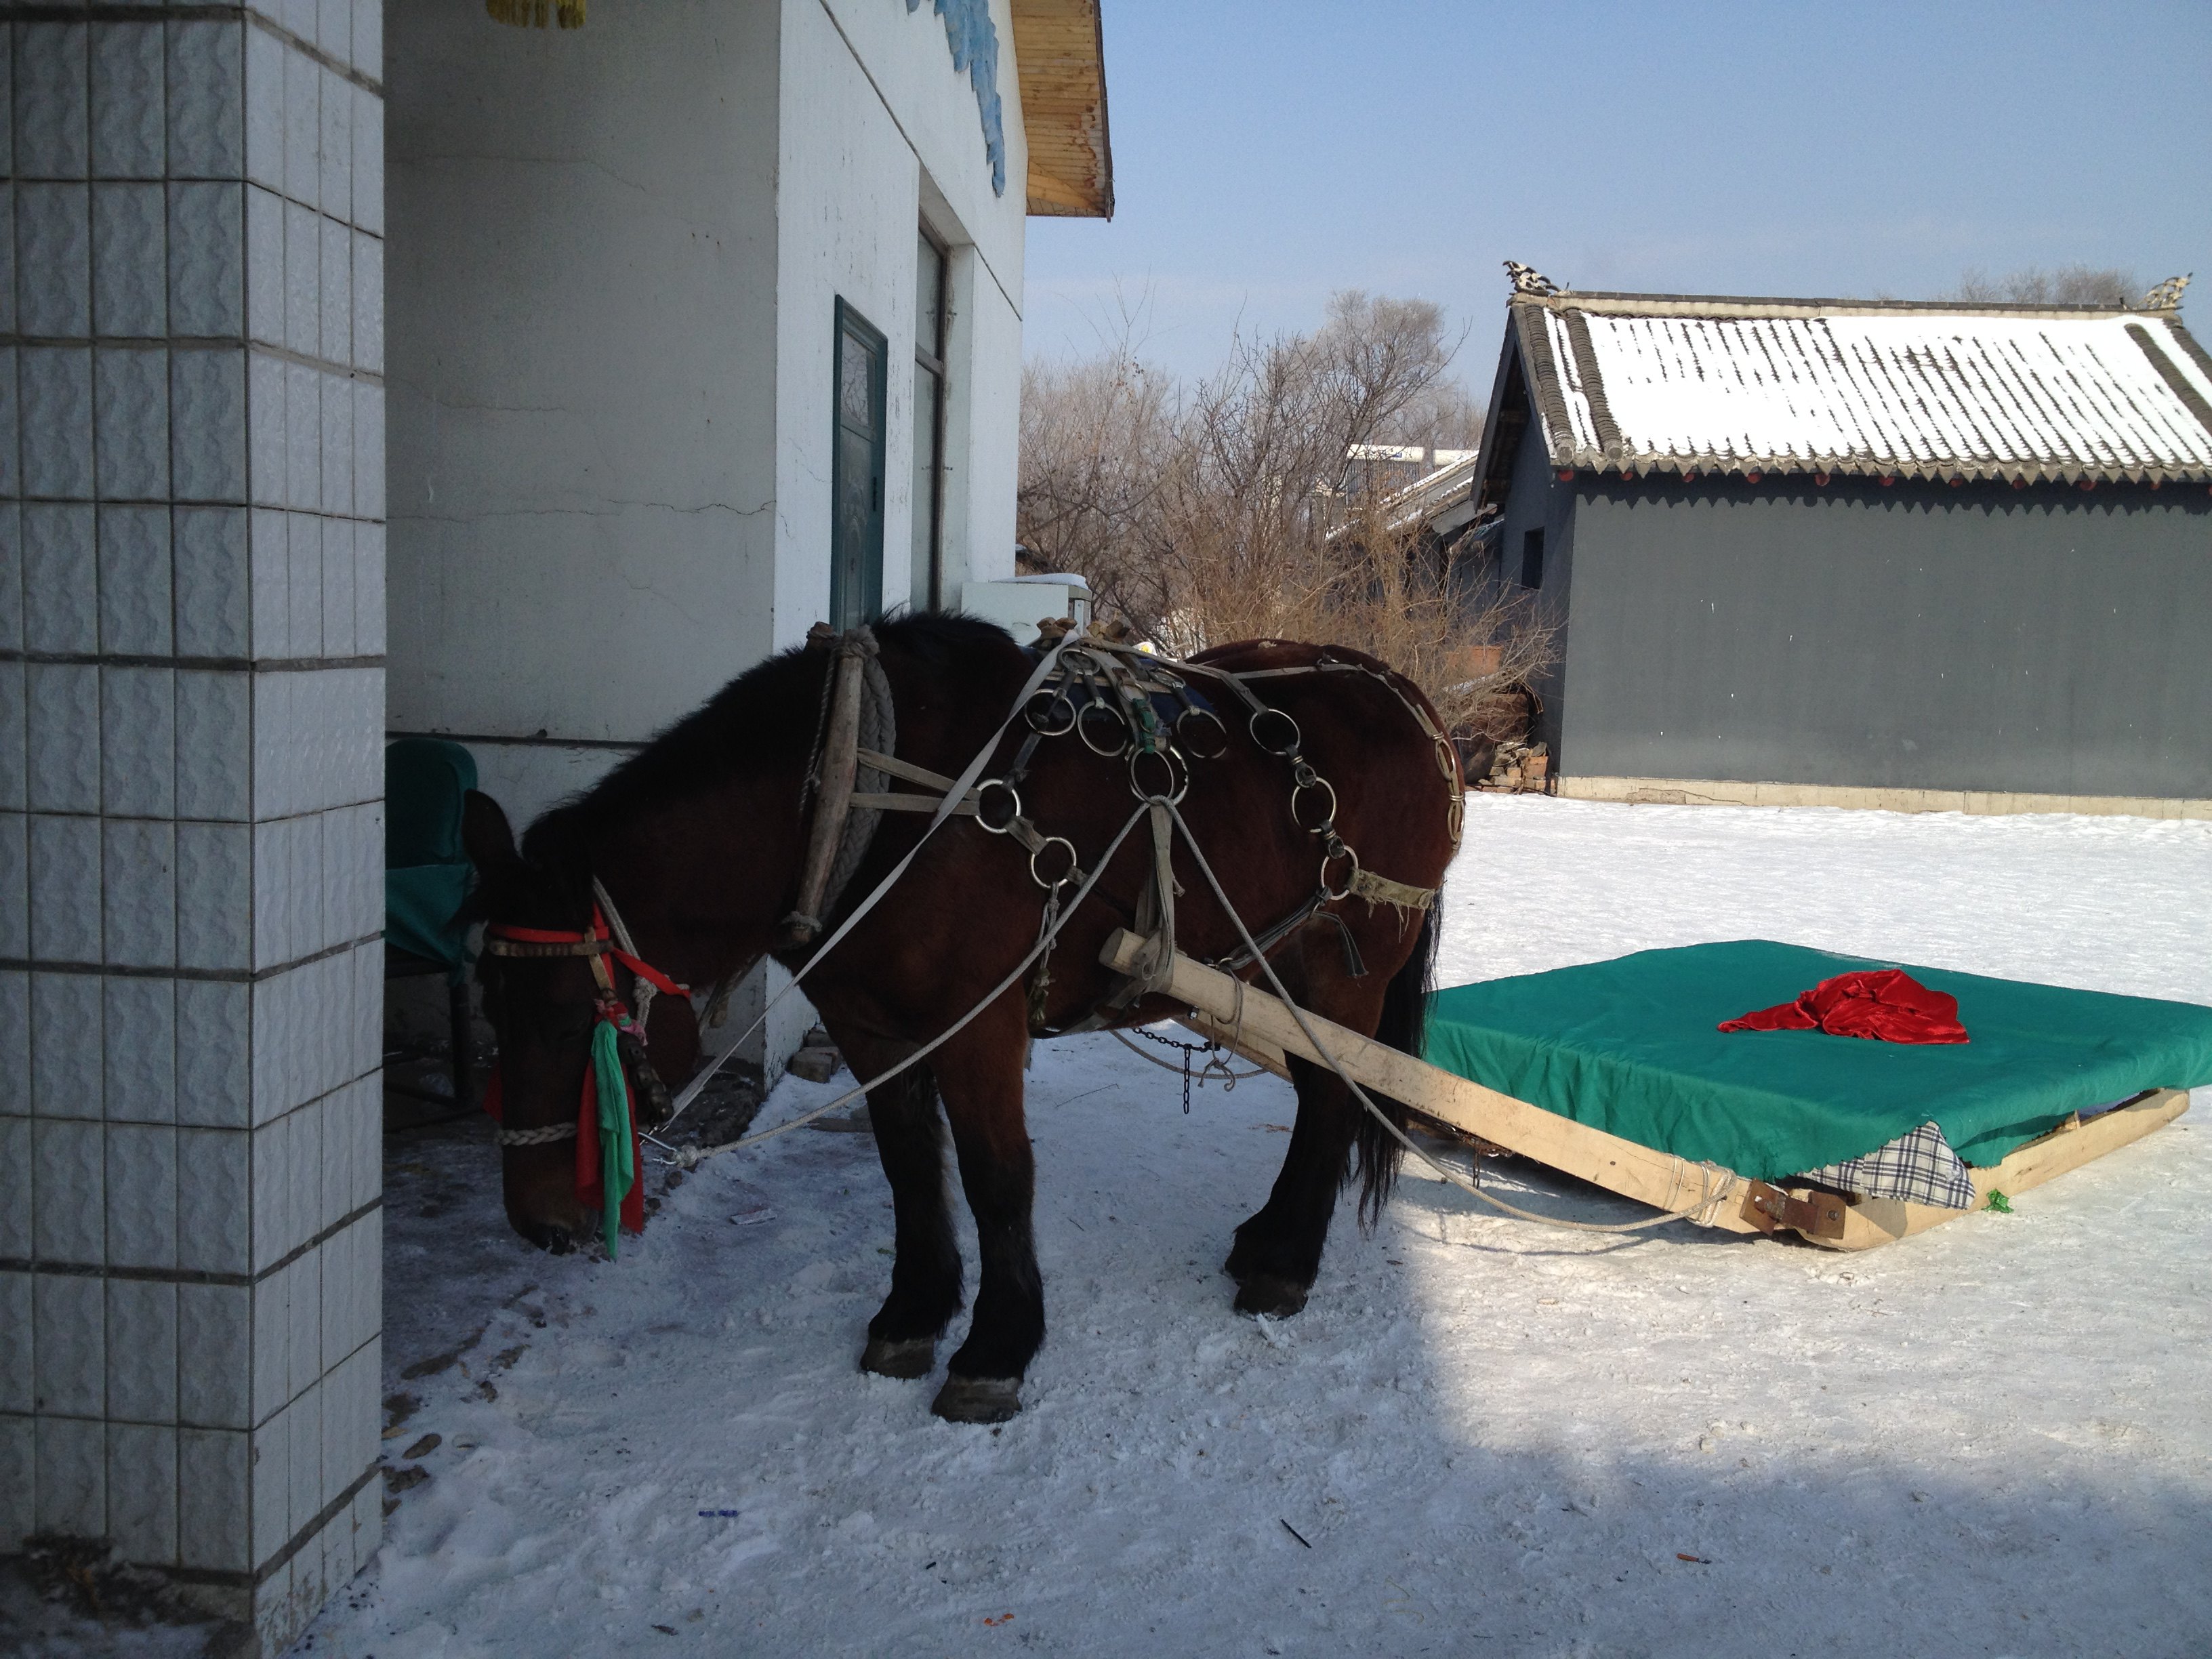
column 427, row 877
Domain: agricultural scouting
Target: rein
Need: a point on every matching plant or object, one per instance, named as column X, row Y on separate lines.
column 605, row 1130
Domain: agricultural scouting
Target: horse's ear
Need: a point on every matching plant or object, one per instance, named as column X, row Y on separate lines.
column 486, row 835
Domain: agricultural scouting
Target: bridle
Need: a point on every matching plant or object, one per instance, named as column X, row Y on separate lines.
column 605, row 1130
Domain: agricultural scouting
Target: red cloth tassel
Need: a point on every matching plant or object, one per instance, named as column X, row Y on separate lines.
column 494, row 1096
column 1886, row 1004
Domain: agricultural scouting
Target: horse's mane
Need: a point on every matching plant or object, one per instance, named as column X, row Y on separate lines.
column 766, row 717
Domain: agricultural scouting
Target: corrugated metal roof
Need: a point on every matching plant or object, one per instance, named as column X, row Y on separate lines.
column 1659, row 383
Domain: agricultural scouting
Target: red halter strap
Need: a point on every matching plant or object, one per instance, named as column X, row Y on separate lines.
column 599, row 942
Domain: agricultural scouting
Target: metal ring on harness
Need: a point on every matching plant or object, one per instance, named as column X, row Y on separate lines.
column 1167, row 758
column 1297, row 739
column 1040, row 709
column 1183, row 733
column 1313, row 780
column 983, row 795
column 1083, row 721
column 1337, row 850
column 1074, row 866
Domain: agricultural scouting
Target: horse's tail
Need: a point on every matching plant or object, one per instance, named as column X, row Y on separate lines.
column 1405, row 1016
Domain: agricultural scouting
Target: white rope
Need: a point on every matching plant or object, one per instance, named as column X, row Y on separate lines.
column 1708, row 1199
column 945, row 809
column 687, row 1157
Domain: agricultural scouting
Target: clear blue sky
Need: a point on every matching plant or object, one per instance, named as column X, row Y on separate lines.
column 1267, row 154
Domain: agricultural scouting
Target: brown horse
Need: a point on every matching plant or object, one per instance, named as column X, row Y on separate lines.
column 699, row 840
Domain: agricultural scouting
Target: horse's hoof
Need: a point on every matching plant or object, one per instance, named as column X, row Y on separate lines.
column 1270, row 1294
column 978, row 1398
column 915, row 1357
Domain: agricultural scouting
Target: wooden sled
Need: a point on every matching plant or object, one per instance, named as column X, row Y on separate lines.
column 1261, row 1028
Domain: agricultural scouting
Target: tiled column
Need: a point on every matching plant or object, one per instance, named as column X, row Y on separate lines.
column 192, row 684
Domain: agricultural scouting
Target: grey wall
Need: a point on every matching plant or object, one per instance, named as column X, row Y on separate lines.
column 1536, row 500
column 1916, row 637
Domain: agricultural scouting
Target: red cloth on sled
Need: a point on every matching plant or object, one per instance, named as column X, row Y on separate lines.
column 1886, row 1004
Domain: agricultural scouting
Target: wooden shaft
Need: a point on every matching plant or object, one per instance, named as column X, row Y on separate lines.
column 833, row 798
column 1659, row 1179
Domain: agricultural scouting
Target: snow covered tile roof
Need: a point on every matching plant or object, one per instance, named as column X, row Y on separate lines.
column 1657, row 383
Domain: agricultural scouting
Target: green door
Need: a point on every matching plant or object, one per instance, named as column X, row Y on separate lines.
column 856, row 481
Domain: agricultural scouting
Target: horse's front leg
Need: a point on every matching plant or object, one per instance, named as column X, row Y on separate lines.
column 979, row 1072
column 925, row 1289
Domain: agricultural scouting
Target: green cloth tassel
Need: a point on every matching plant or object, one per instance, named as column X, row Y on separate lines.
column 617, row 1164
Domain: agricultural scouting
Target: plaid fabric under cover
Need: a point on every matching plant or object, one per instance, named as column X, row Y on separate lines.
column 1919, row 1167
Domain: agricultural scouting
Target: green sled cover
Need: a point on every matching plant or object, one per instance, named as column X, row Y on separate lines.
column 1630, row 1046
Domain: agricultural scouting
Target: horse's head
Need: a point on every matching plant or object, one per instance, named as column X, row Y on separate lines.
column 545, row 1003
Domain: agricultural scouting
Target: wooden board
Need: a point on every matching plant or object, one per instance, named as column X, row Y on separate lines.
column 1263, row 1029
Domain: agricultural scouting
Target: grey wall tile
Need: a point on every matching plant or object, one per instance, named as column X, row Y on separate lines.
column 337, row 445
column 129, row 260
column 214, row 895
column 141, row 1492
column 368, row 587
column 142, row 1196
column 52, row 117
column 306, row 1305
column 54, row 394
column 11, row 575
column 367, row 160
column 62, row 708
column 14, row 1085
column 15, row 1228
column 264, row 266
column 141, row 1342
column 276, row 790
column 69, row 1346
column 11, row 472
column 128, row 136
column 214, row 1341
column 305, row 1464
column 214, row 1487
column 276, row 931
column 72, row 1476
column 207, row 259
column 215, row 1054
column 61, row 577
column 303, row 437
column 265, row 422
column 303, row 585
column 67, row 1042
column 7, row 231
column 272, row 1346
column 65, row 861
column 207, row 98
column 302, row 279
column 211, row 576
column 16, row 1392
column 135, row 607
column 15, row 719
column 334, row 190
column 53, row 249
column 272, row 1490
column 214, row 1188
column 265, row 109
column 272, row 567
column 214, row 745
column 276, row 1232
column 18, row 1472
column 337, row 579
column 141, row 1043
column 138, row 743
column 368, row 38
column 207, row 424
column 334, row 289
column 303, row 128
column 138, row 892
column 368, row 303
column 367, row 450
column 131, row 406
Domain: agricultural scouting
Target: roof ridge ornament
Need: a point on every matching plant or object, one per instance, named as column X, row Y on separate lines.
column 1527, row 279
column 2167, row 296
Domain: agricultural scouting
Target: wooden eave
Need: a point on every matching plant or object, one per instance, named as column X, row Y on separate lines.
column 1061, row 58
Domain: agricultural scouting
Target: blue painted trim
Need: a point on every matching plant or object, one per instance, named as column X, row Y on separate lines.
column 975, row 43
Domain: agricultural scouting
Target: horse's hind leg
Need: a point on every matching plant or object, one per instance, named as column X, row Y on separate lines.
column 1278, row 1250
column 981, row 1073
column 926, row 1267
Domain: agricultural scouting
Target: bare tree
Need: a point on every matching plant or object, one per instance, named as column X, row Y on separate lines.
column 1219, row 510
column 2066, row 285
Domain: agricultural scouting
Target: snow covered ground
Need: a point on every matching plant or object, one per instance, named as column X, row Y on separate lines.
column 1480, row 1437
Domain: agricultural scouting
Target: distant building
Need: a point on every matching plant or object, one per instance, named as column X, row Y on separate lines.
column 1919, row 556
